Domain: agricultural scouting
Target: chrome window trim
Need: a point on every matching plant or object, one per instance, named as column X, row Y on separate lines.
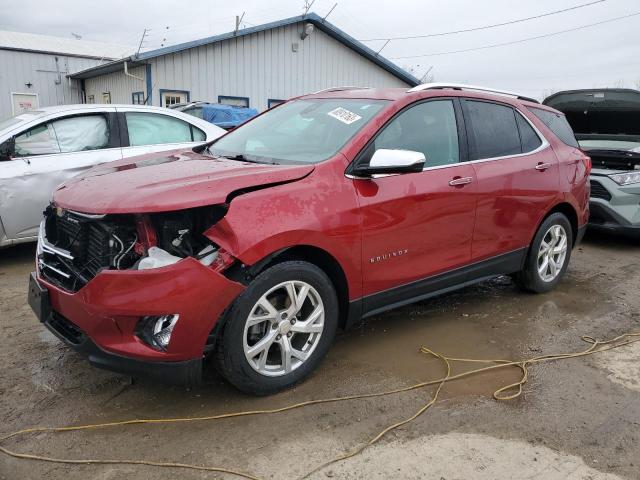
column 545, row 144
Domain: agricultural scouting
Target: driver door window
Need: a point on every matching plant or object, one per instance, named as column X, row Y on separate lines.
column 39, row 140
column 67, row 135
column 429, row 128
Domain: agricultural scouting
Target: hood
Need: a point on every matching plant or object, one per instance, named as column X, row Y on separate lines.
column 171, row 181
column 604, row 114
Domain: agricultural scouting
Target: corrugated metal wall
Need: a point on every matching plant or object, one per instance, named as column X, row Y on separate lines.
column 39, row 69
column 261, row 66
column 119, row 85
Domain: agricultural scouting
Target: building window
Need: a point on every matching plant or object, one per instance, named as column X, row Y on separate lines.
column 106, row 97
column 137, row 98
column 272, row 102
column 91, row 99
column 235, row 101
column 173, row 97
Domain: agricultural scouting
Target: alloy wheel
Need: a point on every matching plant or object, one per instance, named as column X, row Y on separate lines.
column 283, row 328
column 552, row 253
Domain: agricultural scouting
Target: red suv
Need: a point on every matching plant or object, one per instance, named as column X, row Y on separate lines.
column 253, row 250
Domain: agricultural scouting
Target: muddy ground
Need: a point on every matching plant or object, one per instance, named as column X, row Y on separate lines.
column 577, row 419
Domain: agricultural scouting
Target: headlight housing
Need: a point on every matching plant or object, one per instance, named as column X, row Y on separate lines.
column 626, row 178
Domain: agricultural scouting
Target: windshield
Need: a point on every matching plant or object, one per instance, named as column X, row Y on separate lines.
column 623, row 145
column 301, row 131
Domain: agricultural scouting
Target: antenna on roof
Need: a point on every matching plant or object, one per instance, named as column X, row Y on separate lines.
column 307, row 6
column 144, row 34
column 424, row 78
column 238, row 22
column 329, row 13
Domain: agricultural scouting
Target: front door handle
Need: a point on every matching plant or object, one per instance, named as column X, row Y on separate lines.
column 457, row 181
column 543, row 166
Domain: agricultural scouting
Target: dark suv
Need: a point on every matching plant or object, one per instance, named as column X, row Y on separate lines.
column 328, row 208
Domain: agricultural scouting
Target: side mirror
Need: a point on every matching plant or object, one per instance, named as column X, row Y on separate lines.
column 7, row 149
column 386, row 161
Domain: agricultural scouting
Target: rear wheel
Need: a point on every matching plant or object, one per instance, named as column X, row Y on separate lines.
column 548, row 256
column 279, row 329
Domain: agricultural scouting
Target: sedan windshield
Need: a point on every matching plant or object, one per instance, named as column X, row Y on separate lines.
column 301, row 131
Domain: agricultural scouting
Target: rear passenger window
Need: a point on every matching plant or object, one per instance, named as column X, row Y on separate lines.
column 157, row 129
column 558, row 124
column 528, row 136
column 492, row 130
column 429, row 128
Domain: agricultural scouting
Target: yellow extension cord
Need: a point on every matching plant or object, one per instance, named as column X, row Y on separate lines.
column 596, row 346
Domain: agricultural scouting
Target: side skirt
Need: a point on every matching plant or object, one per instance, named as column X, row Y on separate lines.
column 436, row 285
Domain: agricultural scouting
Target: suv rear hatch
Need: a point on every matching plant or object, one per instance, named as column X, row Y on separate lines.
column 606, row 123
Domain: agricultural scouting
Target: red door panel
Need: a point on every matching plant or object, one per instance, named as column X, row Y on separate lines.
column 415, row 225
column 513, row 195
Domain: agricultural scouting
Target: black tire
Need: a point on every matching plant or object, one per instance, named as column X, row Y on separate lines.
column 230, row 359
column 529, row 278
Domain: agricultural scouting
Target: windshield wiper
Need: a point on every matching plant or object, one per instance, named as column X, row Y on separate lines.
column 242, row 158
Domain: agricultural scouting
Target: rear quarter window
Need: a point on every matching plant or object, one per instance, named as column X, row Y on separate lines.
column 558, row 124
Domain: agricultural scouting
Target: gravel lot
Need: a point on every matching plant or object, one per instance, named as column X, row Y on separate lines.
column 578, row 419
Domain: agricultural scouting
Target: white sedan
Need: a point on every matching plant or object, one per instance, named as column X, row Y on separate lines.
column 41, row 149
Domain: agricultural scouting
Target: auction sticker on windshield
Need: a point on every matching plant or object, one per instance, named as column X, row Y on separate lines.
column 344, row 115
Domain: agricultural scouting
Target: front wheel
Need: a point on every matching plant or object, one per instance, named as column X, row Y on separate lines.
column 279, row 329
column 548, row 256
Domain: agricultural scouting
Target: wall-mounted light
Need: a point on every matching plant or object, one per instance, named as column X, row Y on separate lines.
column 308, row 30
column 29, row 84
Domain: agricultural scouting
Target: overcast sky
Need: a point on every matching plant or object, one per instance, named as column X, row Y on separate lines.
column 599, row 56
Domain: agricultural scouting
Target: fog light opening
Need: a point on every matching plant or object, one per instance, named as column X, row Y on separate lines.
column 156, row 330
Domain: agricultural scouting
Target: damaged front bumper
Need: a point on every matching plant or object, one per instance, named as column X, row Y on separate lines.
column 101, row 318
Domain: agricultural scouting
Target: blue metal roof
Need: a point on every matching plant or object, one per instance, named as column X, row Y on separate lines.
column 313, row 18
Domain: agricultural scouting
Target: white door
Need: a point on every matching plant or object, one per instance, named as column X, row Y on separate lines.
column 171, row 98
column 45, row 156
column 23, row 102
column 154, row 132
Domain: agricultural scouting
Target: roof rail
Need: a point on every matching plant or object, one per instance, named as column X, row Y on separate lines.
column 340, row 89
column 459, row 86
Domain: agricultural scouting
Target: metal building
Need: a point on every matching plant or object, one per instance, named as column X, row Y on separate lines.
column 253, row 67
column 35, row 68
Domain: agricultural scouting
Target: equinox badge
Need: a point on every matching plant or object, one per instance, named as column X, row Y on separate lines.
column 387, row 256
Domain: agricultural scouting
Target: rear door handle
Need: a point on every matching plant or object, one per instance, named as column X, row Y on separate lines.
column 460, row 181
column 543, row 166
